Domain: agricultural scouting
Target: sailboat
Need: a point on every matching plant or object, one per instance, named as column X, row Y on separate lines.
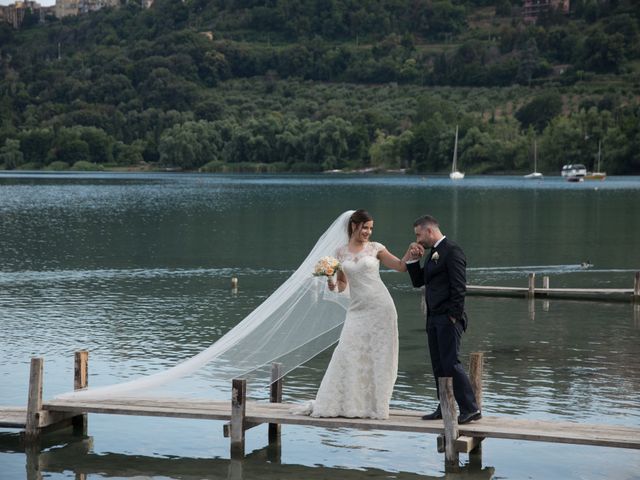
column 455, row 174
column 535, row 175
column 597, row 175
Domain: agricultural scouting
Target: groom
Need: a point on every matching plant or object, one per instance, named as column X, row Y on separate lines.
column 444, row 278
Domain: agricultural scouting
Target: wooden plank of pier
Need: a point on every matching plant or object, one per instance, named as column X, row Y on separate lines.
column 13, row 417
column 399, row 420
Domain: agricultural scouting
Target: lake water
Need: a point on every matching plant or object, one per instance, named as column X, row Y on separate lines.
column 136, row 269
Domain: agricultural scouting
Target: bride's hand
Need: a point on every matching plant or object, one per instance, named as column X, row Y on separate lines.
column 331, row 284
column 414, row 252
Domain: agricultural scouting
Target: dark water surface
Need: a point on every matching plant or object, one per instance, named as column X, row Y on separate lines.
column 136, row 268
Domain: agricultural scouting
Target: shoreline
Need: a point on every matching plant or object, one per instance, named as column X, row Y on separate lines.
column 363, row 172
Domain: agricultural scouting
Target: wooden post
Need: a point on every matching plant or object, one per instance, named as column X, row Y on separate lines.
column 450, row 419
column 465, row 444
column 545, row 282
column 476, row 367
column 532, row 285
column 476, row 370
column 238, row 410
column 234, row 285
column 275, row 397
column 636, row 288
column 34, row 404
column 80, row 381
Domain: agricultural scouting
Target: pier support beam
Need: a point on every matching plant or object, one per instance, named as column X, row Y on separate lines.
column 476, row 370
column 80, row 381
column 450, row 419
column 532, row 285
column 274, row 450
column 476, row 367
column 275, row 397
column 464, row 444
column 238, row 411
column 34, row 404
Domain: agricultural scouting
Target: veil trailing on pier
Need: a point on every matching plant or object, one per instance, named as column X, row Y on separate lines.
column 298, row 321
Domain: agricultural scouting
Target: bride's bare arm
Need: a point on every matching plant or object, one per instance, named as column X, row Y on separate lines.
column 341, row 282
column 389, row 260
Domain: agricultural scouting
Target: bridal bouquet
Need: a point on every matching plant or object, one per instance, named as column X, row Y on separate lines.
column 326, row 267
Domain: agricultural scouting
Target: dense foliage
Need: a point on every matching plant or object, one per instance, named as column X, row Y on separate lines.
column 309, row 85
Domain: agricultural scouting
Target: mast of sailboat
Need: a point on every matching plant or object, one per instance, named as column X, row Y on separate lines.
column 599, row 153
column 454, row 166
column 535, row 156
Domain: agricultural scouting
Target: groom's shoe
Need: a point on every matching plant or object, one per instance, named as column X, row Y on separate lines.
column 437, row 415
column 469, row 417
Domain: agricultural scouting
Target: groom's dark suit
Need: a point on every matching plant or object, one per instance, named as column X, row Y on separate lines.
column 444, row 278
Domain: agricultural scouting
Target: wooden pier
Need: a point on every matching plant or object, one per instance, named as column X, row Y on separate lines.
column 239, row 414
column 546, row 292
column 399, row 420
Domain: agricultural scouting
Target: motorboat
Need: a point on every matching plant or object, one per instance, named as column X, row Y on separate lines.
column 574, row 172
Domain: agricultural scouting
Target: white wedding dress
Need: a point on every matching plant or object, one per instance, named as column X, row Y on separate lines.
column 363, row 369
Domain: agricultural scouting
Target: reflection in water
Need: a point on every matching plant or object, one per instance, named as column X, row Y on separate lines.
column 64, row 453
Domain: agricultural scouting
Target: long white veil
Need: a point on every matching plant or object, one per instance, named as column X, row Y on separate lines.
column 297, row 322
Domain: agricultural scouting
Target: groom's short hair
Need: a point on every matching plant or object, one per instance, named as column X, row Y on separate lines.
column 426, row 220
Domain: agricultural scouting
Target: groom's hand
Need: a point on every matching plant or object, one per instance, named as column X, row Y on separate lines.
column 414, row 252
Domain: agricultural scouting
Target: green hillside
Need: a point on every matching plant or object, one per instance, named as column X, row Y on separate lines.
column 311, row 85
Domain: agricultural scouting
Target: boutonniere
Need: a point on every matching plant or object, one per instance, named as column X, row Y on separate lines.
column 435, row 257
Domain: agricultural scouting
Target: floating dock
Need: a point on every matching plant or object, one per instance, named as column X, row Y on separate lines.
column 546, row 292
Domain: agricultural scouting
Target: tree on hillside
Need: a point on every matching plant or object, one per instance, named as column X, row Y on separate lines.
column 10, row 155
column 528, row 62
column 539, row 111
column 602, row 52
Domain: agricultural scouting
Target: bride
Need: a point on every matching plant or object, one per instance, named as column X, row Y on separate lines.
column 296, row 322
column 363, row 369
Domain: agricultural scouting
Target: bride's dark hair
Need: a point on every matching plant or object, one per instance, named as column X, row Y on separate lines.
column 358, row 217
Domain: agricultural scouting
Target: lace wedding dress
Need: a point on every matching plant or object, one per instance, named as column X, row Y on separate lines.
column 363, row 369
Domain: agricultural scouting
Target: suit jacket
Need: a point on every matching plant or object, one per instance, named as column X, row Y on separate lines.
column 445, row 280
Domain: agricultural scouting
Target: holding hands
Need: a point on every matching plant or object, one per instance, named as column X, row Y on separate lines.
column 414, row 252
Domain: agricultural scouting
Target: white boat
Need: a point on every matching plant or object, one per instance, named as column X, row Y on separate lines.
column 574, row 172
column 597, row 175
column 455, row 174
column 535, row 175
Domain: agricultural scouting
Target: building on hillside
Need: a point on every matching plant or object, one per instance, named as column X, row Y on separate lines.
column 64, row 8
column 14, row 14
column 86, row 6
column 532, row 9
